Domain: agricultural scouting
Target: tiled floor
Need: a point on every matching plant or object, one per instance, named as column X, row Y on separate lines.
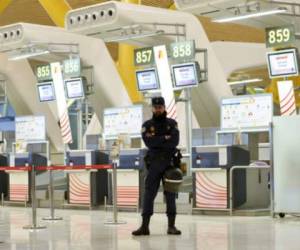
column 84, row 230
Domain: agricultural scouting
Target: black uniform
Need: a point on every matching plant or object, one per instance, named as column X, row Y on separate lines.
column 160, row 153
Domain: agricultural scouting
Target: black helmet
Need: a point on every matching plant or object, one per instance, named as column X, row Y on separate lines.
column 173, row 178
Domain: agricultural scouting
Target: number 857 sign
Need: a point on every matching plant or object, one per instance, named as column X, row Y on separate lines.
column 143, row 56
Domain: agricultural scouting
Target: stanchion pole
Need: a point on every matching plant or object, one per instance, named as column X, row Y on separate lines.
column 51, row 199
column 2, row 199
column 115, row 220
column 34, row 225
column 115, row 205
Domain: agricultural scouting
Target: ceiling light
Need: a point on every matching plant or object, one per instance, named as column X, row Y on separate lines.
column 27, row 55
column 244, row 82
column 250, row 15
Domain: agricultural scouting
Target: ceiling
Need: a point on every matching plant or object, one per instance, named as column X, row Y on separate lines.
column 34, row 13
column 228, row 8
column 31, row 11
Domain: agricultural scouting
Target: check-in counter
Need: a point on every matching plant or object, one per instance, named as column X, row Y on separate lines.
column 130, row 178
column 19, row 181
column 4, row 178
column 211, row 165
column 86, row 187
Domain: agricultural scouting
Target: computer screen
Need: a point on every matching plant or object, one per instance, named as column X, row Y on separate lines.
column 185, row 75
column 147, row 80
column 46, row 92
column 74, row 88
column 283, row 63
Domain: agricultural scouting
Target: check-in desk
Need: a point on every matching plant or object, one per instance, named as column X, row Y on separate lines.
column 4, row 187
column 211, row 165
column 130, row 181
column 86, row 187
column 19, row 181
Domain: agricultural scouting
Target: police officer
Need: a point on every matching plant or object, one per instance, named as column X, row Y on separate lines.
column 161, row 136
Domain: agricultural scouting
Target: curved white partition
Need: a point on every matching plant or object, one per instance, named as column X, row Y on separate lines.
column 235, row 55
column 108, row 86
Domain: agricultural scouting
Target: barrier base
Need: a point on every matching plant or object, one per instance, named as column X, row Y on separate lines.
column 52, row 218
column 113, row 222
column 32, row 227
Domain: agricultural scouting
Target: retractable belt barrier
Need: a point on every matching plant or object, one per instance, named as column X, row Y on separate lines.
column 21, row 168
column 33, row 170
column 75, row 167
column 43, row 168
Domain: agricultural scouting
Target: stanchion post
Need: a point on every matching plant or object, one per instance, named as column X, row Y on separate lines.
column 189, row 128
column 115, row 220
column 115, row 205
column 271, row 140
column 2, row 199
column 51, row 199
column 34, row 225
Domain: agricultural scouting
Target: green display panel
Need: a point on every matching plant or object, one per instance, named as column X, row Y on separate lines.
column 144, row 56
column 72, row 67
column 280, row 36
column 182, row 50
column 43, row 73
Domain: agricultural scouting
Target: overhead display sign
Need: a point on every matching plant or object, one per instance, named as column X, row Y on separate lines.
column 283, row 63
column 179, row 51
column 280, row 36
column 183, row 50
column 30, row 128
column 246, row 112
column 124, row 120
column 46, row 92
column 43, row 73
column 185, row 75
column 74, row 88
column 143, row 56
column 147, row 79
column 72, row 67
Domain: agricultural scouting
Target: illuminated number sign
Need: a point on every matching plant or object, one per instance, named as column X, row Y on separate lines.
column 143, row 56
column 279, row 36
column 183, row 50
column 72, row 67
column 43, row 73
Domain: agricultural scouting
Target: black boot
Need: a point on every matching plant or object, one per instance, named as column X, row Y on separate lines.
column 144, row 228
column 171, row 226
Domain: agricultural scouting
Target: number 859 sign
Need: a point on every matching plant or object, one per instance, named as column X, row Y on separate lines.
column 279, row 36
